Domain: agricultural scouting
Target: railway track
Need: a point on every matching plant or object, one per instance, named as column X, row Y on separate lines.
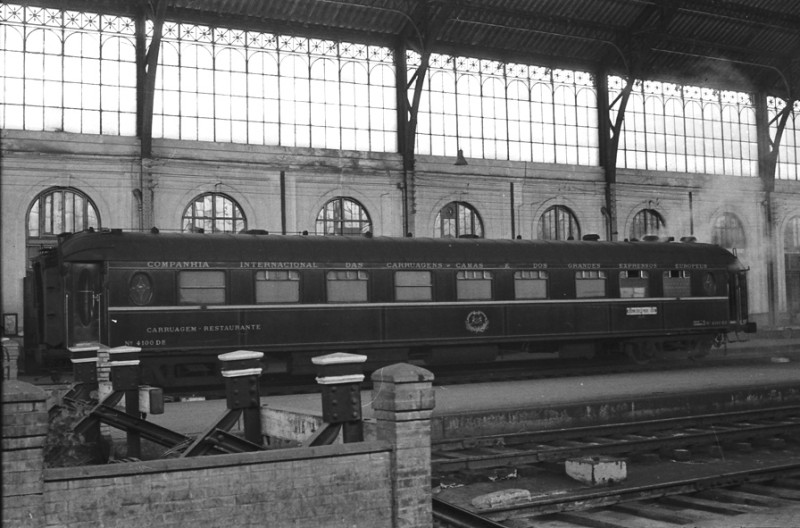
column 680, row 503
column 627, row 439
column 680, row 471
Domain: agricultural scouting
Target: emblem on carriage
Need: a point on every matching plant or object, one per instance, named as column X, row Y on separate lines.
column 477, row 322
column 140, row 290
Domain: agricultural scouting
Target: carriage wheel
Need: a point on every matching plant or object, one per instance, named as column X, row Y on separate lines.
column 640, row 353
column 700, row 349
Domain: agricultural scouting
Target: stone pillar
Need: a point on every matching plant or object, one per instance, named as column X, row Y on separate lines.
column 25, row 425
column 403, row 401
column 10, row 359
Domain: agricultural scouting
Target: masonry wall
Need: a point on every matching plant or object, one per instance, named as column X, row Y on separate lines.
column 374, row 484
column 25, row 425
column 288, row 487
column 286, row 187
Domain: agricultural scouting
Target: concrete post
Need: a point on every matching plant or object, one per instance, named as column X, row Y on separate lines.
column 84, row 364
column 104, row 385
column 25, row 425
column 125, row 377
column 241, row 370
column 339, row 376
column 403, row 402
column 84, row 371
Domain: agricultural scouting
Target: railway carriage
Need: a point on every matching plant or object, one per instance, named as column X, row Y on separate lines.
column 185, row 298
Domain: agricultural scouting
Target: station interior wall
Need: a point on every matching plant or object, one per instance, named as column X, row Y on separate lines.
column 108, row 170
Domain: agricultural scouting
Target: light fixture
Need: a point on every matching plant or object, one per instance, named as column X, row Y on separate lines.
column 460, row 158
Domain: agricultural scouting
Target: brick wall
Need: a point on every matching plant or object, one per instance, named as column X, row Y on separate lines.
column 24, row 432
column 374, row 484
column 287, row 487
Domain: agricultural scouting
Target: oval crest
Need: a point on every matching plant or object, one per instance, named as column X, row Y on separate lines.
column 140, row 289
column 477, row 322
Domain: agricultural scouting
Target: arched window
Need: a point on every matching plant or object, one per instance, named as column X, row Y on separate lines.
column 458, row 219
column 728, row 232
column 343, row 216
column 559, row 223
column 213, row 213
column 58, row 210
column 646, row 222
column 791, row 241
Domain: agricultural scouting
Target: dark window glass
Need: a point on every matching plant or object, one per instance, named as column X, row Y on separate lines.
column 413, row 286
column 590, row 283
column 214, row 213
column 646, row 222
column 458, row 219
column 559, row 223
column 201, row 287
column 728, row 232
column 343, row 216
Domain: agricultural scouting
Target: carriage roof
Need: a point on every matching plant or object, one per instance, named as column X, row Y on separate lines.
column 118, row 246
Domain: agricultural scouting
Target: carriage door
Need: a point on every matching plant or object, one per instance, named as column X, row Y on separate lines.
column 737, row 297
column 83, row 303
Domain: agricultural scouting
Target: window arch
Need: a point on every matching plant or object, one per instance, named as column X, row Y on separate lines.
column 458, row 219
column 791, row 240
column 58, row 210
column 213, row 213
column 559, row 223
column 646, row 222
column 343, row 216
column 728, row 232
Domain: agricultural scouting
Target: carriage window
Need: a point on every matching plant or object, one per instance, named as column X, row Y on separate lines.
column 277, row 286
column 677, row 283
column 590, row 283
column 530, row 284
column 86, row 297
column 473, row 285
column 633, row 284
column 347, row 286
column 413, row 286
column 201, row 287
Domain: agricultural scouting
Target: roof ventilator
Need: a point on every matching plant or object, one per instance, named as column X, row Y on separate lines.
column 656, row 238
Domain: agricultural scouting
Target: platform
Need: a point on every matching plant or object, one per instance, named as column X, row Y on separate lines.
column 524, row 405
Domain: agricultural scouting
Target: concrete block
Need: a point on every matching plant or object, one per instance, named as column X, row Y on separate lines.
column 681, row 455
column 597, row 470
column 501, row 498
column 288, row 425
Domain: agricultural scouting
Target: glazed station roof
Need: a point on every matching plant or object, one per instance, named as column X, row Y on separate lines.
column 746, row 45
